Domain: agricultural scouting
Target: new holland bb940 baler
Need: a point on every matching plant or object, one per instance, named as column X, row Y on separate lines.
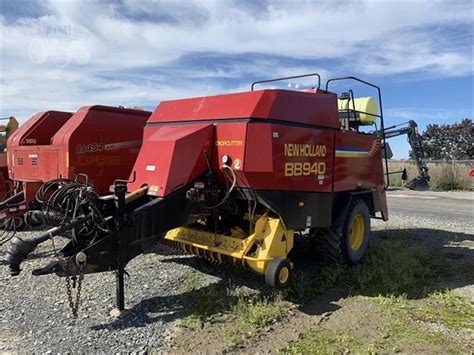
column 233, row 178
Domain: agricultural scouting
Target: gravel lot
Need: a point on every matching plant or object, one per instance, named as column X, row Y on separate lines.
column 447, row 210
column 35, row 316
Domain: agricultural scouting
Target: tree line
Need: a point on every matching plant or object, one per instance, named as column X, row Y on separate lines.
column 449, row 141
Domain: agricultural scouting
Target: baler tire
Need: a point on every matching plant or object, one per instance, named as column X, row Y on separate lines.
column 333, row 246
column 279, row 273
column 327, row 246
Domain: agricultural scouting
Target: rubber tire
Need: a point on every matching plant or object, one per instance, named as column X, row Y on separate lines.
column 332, row 244
column 272, row 271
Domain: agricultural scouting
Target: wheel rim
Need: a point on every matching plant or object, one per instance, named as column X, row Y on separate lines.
column 357, row 232
column 283, row 275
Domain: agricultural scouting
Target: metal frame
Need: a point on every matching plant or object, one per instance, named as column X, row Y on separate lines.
column 287, row 78
column 382, row 126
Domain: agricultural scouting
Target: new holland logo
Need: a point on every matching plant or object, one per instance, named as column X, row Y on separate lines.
column 355, row 152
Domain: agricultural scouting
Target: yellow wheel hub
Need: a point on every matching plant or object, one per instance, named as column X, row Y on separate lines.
column 283, row 275
column 357, row 232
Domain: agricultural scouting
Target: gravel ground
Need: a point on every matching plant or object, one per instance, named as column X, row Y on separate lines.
column 35, row 316
column 445, row 210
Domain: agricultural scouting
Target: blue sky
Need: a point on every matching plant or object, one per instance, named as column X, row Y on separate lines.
column 67, row 54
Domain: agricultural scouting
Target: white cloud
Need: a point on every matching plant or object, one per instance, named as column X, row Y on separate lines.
column 81, row 53
column 436, row 115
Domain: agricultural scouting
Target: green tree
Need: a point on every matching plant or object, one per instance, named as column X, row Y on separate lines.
column 449, row 141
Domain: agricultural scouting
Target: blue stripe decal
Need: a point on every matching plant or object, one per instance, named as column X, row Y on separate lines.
column 350, row 149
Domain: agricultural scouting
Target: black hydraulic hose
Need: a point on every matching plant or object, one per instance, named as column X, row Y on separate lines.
column 8, row 230
column 12, row 200
column 68, row 206
column 229, row 189
column 19, row 249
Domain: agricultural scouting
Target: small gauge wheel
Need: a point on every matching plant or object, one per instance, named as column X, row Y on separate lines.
column 279, row 273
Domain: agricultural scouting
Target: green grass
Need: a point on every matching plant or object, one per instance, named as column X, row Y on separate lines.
column 400, row 331
column 391, row 267
column 257, row 311
column 250, row 314
column 319, row 341
column 406, row 286
column 448, row 308
column 410, row 319
column 207, row 301
column 241, row 311
column 193, row 281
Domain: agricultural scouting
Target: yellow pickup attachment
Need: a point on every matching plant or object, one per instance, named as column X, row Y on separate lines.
column 265, row 251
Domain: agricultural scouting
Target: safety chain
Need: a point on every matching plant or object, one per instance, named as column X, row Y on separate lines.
column 74, row 305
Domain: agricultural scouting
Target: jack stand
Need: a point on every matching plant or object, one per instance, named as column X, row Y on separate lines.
column 120, row 191
column 120, row 291
column 119, row 310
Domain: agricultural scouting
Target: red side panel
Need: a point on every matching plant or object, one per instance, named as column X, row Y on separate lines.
column 3, row 160
column 319, row 108
column 280, row 157
column 171, row 157
column 29, row 190
column 34, row 163
column 358, row 162
column 230, row 140
column 269, row 156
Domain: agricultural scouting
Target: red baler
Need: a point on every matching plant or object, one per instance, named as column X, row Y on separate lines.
column 98, row 144
column 233, row 178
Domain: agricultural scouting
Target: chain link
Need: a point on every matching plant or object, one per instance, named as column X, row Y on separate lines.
column 74, row 305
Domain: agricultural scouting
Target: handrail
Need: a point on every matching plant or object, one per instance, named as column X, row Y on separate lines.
column 287, row 78
column 382, row 126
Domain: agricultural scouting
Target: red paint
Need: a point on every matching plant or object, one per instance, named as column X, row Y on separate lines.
column 317, row 107
column 71, row 144
column 39, row 129
column 276, row 140
column 171, row 157
column 262, row 132
column 357, row 172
